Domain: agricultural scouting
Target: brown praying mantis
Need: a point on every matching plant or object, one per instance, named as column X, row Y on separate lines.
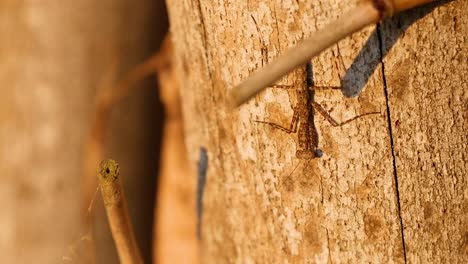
column 366, row 13
column 303, row 122
column 303, row 116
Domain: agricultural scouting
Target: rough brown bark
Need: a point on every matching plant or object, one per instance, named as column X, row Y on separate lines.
column 425, row 72
column 262, row 204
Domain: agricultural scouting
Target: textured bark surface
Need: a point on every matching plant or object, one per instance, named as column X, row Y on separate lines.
column 52, row 56
column 425, row 71
column 262, row 204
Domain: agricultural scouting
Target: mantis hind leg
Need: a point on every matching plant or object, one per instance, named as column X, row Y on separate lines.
column 331, row 120
column 292, row 127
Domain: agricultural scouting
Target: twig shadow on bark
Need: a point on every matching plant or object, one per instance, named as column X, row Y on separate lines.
column 366, row 62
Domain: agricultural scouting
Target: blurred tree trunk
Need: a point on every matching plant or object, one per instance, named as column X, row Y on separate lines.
column 53, row 54
column 175, row 221
column 390, row 187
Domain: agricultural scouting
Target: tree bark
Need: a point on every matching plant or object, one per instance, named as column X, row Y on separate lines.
column 425, row 73
column 365, row 200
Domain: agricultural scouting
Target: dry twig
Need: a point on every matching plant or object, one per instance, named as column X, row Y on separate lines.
column 117, row 212
column 109, row 94
column 173, row 149
column 366, row 13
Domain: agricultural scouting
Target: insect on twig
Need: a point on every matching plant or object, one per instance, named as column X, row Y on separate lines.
column 303, row 117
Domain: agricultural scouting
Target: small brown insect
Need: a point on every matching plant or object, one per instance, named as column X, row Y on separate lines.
column 303, row 118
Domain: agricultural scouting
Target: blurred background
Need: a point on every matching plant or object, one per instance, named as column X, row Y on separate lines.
column 53, row 56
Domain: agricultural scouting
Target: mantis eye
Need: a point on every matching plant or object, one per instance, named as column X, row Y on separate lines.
column 318, row 153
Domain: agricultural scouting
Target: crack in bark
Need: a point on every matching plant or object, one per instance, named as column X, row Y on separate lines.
column 395, row 174
column 204, row 38
column 328, row 246
column 277, row 31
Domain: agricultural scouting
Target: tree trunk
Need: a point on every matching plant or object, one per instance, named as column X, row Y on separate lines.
column 53, row 54
column 389, row 187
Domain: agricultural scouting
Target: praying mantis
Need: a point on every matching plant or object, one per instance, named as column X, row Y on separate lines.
column 303, row 122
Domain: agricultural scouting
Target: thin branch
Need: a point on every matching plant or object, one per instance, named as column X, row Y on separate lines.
column 117, row 212
column 367, row 13
column 109, row 93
